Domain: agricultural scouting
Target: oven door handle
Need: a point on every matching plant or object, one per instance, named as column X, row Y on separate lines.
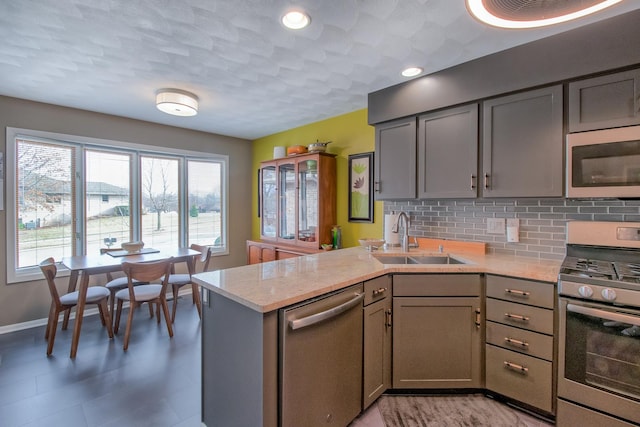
column 603, row 314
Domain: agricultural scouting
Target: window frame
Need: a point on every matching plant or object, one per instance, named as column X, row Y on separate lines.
column 17, row 275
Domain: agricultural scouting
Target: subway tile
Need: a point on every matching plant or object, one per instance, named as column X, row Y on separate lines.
column 591, row 209
column 608, row 217
column 624, row 210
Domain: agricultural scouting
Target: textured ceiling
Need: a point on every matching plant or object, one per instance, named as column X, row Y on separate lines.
column 253, row 76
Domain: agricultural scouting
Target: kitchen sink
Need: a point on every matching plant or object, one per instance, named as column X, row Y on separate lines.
column 417, row 259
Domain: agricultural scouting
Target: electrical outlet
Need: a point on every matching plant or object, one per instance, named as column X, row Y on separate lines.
column 495, row 225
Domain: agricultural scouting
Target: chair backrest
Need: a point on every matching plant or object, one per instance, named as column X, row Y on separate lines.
column 49, row 269
column 148, row 271
column 203, row 259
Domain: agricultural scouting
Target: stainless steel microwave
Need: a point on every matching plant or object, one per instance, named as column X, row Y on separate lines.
column 604, row 163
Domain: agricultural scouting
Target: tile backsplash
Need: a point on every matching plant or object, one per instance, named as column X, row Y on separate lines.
column 542, row 221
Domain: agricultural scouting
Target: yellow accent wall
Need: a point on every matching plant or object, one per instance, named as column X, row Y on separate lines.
column 349, row 134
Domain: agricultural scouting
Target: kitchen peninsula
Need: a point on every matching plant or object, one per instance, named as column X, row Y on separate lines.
column 240, row 332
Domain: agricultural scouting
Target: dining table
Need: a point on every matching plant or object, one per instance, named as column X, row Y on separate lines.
column 84, row 266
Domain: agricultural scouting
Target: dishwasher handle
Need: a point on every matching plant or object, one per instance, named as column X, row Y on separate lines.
column 327, row 314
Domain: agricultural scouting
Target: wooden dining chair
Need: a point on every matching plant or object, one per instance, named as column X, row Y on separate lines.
column 151, row 293
column 97, row 295
column 177, row 281
column 114, row 284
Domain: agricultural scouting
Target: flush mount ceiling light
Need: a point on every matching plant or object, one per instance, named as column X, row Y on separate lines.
column 177, row 102
column 533, row 13
column 411, row 71
column 296, row 20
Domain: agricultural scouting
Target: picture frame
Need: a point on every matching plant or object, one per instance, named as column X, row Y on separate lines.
column 360, row 187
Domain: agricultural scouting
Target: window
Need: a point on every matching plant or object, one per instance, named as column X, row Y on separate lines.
column 74, row 197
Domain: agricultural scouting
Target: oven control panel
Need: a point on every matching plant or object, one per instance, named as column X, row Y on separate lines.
column 628, row 297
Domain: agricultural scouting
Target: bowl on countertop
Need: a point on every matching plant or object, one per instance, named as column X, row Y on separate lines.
column 132, row 247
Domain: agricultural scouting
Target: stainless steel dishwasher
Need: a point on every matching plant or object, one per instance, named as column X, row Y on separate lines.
column 321, row 360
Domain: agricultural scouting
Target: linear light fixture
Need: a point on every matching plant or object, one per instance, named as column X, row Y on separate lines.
column 505, row 14
column 177, row 102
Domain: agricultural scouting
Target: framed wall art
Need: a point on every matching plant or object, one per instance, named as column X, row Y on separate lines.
column 360, row 185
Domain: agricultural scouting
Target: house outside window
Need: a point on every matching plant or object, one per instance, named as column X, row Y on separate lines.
column 74, row 196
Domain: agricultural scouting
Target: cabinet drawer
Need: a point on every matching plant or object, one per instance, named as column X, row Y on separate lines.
column 520, row 316
column 531, row 385
column 449, row 285
column 525, row 291
column 377, row 289
column 520, row 340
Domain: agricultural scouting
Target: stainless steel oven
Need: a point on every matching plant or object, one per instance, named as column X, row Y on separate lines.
column 604, row 163
column 599, row 325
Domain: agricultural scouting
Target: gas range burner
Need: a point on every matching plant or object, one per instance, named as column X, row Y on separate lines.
column 583, row 267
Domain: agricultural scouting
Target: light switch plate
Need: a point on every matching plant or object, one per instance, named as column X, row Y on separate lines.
column 495, row 226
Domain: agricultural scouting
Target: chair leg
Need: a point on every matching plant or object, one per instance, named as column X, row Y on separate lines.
column 52, row 309
column 112, row 302
column 157, row 312
column 175, row 289
column 52, row 331
column 101, row 313
column 116, row 325
column 65, row 321
column 165, row 309
column 150, row 310
column 127, row 332
column 195, row 291
column 106, row 319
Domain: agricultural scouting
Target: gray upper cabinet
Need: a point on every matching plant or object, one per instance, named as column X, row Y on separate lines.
column 522, row 153
column 395, row 160
column 448, row 153
column 605, row 102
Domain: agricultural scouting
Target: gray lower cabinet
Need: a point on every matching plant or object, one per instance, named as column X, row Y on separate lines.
column 437, row 335
column 520, row 344
column 522, row 144
column 605, row 102
column 377, row 339
column 448, row 153
column 395, row 160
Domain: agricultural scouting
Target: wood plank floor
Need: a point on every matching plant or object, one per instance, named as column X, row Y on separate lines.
column 155, row 383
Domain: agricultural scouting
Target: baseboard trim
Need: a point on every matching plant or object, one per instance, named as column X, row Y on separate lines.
column 88, row 312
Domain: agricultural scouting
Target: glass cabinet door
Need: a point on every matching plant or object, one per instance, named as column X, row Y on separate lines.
column 287, row 202
column 269, row 207
column 307, row 200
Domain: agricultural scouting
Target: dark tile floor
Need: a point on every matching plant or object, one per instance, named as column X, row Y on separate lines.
column 155, row 382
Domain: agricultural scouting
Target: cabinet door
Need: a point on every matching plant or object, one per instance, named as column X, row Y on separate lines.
column 268, row 253
column 448, row 153
column 254, row 253
column 268, row 201
column 437, row 342
column 377, row 350
column 605, row 102
column 522, row 145
column 287, row 201
column 308, row 200
column 395, row 160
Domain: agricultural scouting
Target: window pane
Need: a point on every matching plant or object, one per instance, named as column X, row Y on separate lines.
column 45, row 195
column 107, row 200
column 205, row 203
column 160, row 213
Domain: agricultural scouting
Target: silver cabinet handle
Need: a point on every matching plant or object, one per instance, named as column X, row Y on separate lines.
column 517, row 292
column 376, row 186
column 515, row 342
column 473, row 182
column 486, row 180
column 518, row 317
column 515, row 367
column 327, row 314
column 388, row 320
column 613, row 316
column 478, row 324
column 379, row 291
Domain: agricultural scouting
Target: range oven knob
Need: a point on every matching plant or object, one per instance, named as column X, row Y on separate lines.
column 609, row 294
column 585, row 291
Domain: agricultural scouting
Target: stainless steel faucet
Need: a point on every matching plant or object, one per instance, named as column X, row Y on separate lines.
column 405, row 234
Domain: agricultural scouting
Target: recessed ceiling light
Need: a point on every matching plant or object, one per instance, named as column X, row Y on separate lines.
column 295, row 20
column 177, row 102
column 411, row 71
column 532, row 14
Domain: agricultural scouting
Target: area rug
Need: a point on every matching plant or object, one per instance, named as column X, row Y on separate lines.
column 469, row 410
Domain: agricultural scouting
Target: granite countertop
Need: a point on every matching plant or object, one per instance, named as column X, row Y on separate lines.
column 272, row 285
